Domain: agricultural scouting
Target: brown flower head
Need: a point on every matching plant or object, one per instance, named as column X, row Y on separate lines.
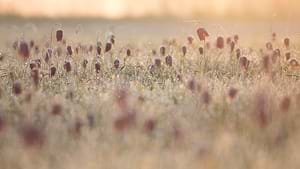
column 202, row 34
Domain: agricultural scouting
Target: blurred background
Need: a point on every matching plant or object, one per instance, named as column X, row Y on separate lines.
column 121, row 9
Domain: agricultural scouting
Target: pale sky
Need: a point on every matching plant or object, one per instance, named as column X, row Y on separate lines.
column 141, row 8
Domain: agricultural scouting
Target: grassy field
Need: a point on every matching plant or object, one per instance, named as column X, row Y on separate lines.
column 77, row 94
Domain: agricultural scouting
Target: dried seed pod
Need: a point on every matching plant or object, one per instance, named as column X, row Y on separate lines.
column 36, row 50
column 97, row 67
column 274, row 36
column 232, row 93
column 228, row 41
column 275, row 56
column 91, row 48
column 112, row 39
column 238, row 53
column 116, row 64
column 77, row 50
column 266, row 63
column 59, row 35
column 32, row 65
column 162, row 51
column 31, row 44
column 154, row 52
column 269, row 46
column 202, row 34
column 261, row 110
column 288, row 56
column 108, row 47
column 32, row 136
column 38, row 63
column 98, row 50
column 236, row 39
column 67, row 66
column 184, row 50
column 220, row 42
column 84, row 63
column 149, row 125
column 286, row 42
column 128, row 52
column 2, row 124
column 232, row 46
column 244, row 63
column 169, row 60
column 35, row 77
column 24, row 50
column 285, row 104
column 52, row 71
column 56, row 109
column 15, row 45
column 125, row 121
column 294, row 63
column 91, row 120
column 121, row 97
column 192, row 84
column 201, row 50
column 157, row 63
column 69, row 50
column 206, row 98
column 17, row 88
column 190, row 39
